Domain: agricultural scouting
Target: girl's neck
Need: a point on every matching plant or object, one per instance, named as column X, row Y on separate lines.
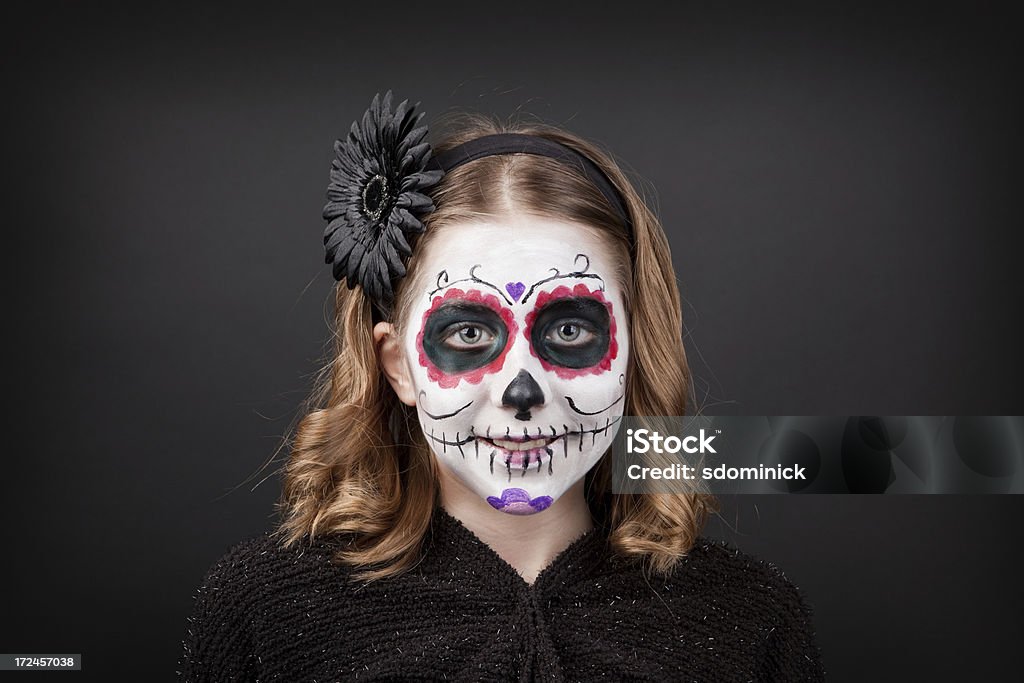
column 527, row 542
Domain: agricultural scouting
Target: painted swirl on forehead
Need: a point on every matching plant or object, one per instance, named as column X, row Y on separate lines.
column 443, row 283
column 455, row 298
column 581, row 273
column 546, row 300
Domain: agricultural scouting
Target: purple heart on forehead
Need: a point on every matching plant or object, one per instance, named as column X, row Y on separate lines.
column 515, row 290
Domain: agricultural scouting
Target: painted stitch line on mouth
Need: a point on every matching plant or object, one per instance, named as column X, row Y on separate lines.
column 458, row 443
column 598, row 428
column 525, row 437
column 515, row 444
column 522, row 445
column 582, row 431
column 523, row 459
column 538, row 447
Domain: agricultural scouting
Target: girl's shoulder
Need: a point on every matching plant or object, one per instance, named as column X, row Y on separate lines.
column 271, row 547
column 265, row 561
column 239, row 593
column 750, row 588
column 723, row 558
column 720, row 590
column 721, row 578
column 717, row 564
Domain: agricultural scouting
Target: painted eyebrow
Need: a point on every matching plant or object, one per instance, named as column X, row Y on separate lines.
column 581, row 273
column 468, row 304
column 583, row 309
column 478, row 313
column 442, row 282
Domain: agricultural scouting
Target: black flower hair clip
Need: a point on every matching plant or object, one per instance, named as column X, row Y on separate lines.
column 376, row 198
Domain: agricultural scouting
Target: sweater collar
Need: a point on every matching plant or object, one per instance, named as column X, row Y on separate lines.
column 454, row 552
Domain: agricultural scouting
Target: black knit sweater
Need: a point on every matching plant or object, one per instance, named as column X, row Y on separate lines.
column 264, row 613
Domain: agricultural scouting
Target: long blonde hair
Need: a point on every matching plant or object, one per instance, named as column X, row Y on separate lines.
column 359, row 464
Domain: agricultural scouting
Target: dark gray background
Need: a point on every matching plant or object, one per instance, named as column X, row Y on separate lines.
column 836, row 185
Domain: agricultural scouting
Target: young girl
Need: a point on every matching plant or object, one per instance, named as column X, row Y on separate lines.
column 447, row 512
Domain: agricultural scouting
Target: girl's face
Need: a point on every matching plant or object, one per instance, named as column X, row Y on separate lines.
column 516, row 351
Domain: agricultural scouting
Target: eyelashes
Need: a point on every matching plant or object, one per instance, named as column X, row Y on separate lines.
column 572, row 332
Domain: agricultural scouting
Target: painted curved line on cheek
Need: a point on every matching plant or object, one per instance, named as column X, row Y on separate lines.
column 572, row 404
column 575, row 408
column 564, row 292
column 447, row 380
column 440, row 417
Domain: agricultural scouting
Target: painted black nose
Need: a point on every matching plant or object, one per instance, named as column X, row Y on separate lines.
column 523, row 393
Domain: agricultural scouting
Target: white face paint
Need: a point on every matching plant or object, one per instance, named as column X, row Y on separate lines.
column 518, row 345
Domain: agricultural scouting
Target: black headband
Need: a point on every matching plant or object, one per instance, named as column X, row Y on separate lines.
column 518, row 143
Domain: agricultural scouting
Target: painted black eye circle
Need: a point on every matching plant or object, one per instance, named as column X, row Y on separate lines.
column 463, row 335
column 574, row 332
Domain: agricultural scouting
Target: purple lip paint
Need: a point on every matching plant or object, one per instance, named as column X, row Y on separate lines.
column 518, row 502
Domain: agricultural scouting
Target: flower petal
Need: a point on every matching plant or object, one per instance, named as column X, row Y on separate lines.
column 417, row 135
column 339, row 239
column 400, row 243
column 406, row 221
column 414, row 201
column 421, row 180
column 390, row 255
column 416, row 156
column 355, row 257
column 369, row 273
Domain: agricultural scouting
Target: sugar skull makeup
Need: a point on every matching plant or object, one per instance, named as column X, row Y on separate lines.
column 517, row 349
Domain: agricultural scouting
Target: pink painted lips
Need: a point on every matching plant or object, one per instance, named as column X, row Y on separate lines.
column 517, row 451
